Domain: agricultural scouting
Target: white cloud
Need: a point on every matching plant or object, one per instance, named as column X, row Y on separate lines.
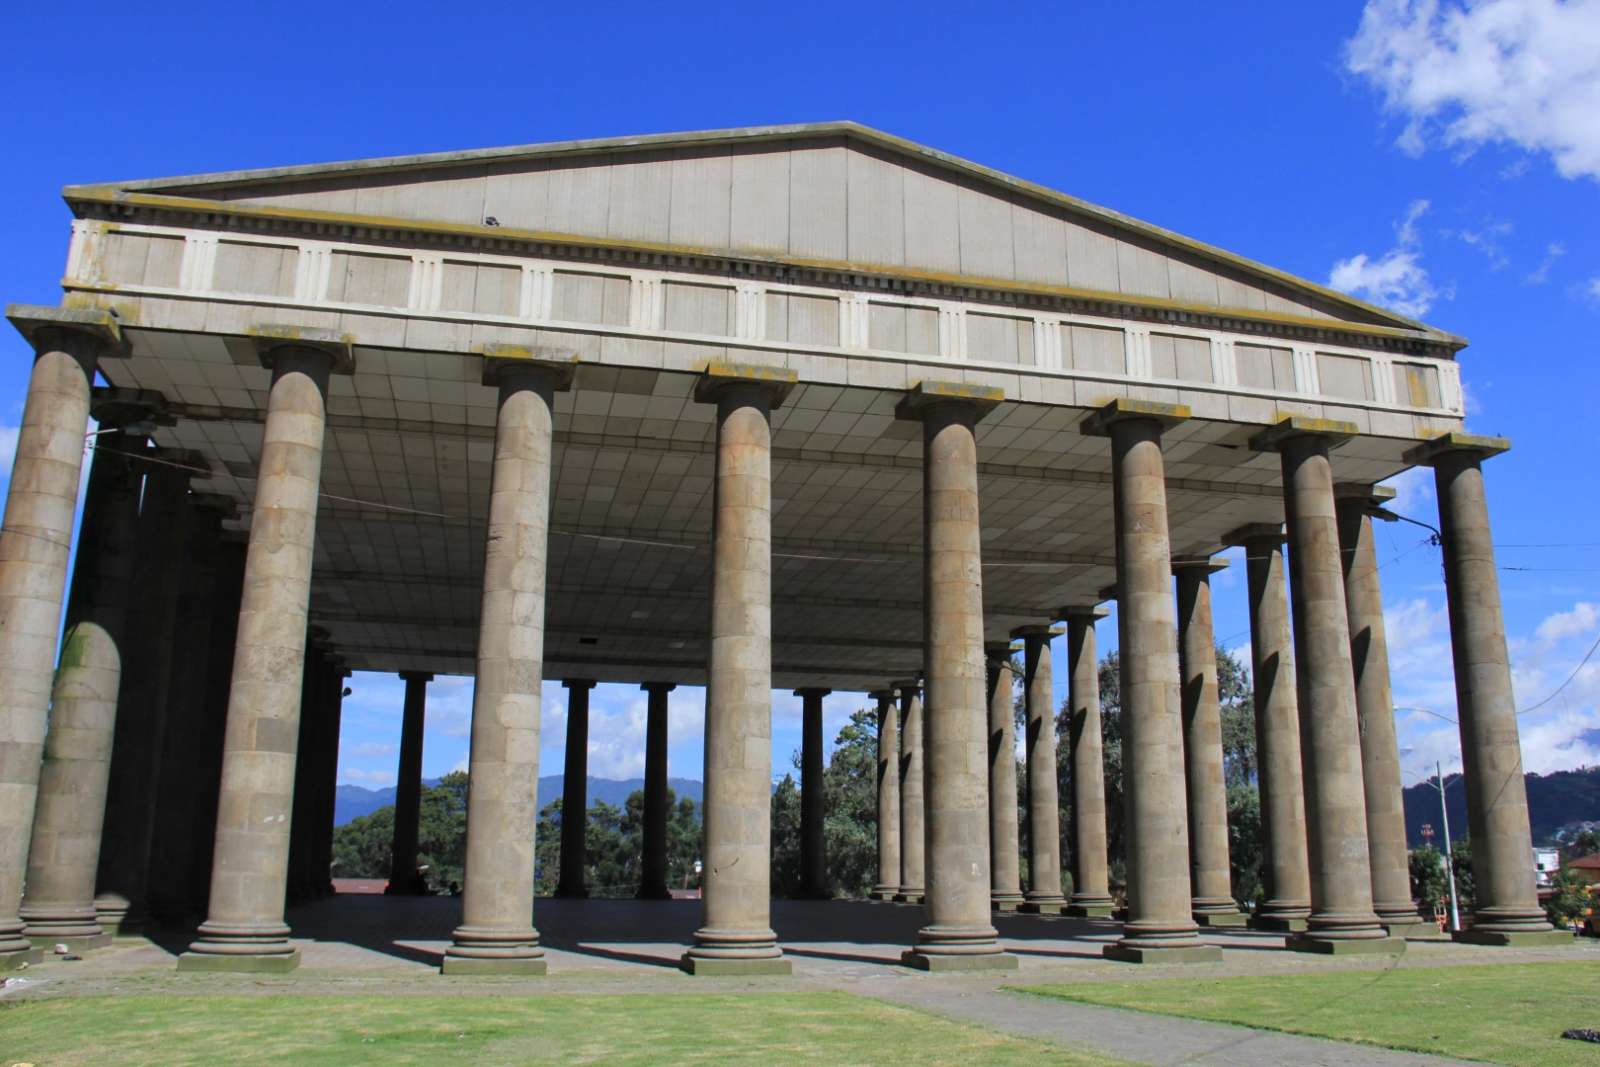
column 1396, row 279
column 1591, row 290
column 370, row 779
column 1488, row 241
column 8, row 448
column 1413, row 491
column 1524, row 73
column 369, row 749
column 1541, row 274
column 1582, row 619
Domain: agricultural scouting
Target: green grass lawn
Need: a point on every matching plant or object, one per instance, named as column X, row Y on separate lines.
column 1510, row 1013
column 768, row 1028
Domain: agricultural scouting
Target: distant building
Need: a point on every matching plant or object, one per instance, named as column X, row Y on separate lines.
column 1546, row 862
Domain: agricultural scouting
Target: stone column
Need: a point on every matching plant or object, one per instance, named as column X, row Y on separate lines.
column 1380, row 752
column 1210, row 876
column 34, row 544
column 313, row 718
column 1506, row 910
column 224, row 618
column 244, row 929
column 575, row 792
column 1285, row 870
column 1342, row 919
column 958, row 934
column 1091, row 890
column 913, row 841
column 496, row 935
column 888, row 796
column 1044, row 896
column 653, row 861
column 1160, row 924
column 736, row 933
column 335, row 673
column 408, row 789
column 172, row 848
column 814, row 881
column 165, row 527
column 1005, row 880
column 65, row 848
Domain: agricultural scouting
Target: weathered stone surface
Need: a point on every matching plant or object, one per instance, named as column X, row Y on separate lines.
column 1005, row 885
column 888, row 796
column 1091, row 894
column 1044, row 896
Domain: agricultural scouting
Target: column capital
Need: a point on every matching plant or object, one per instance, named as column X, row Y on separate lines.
column 417, row 676
column 503, row 363
column 113, row 406
column 1332, row 432
column 1122, row 409
column 582, row 684
column 881, row 695
column 1036, row 632
column 184, row 461
column 1255, row 533
column 43, row 326
column 1455, row 442
column 1204, row 567
column 997, row 650
column 270, row 340
column 1087, row 613
column 912, row 684
column 916, row 401
column 1108, row 593
column 224, row 507
column 663, row 687
column 716, row 377
column 1362, row 495
column 812, row 690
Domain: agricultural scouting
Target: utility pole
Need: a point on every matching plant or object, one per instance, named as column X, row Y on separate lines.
column 1449, row 862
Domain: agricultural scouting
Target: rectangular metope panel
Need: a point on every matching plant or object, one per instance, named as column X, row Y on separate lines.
column 484, row 288
column 803, row 320
column 265, row 270
column 1344, row 376
column 1093, row 349
column 996, row 339
column 355, row 279
column 1186, row 359
column 141, row 259
column 1265, row 367
column 593, row 298
column 699, row 308
column 1417, row 384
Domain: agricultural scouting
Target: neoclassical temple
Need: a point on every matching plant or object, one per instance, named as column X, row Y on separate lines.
column 805, row 407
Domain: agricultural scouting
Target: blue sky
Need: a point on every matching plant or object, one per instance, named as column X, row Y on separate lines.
column 1444, row 160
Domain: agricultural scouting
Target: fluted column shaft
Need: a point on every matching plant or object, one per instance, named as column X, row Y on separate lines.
column 1505, row 909
column 888, row 796
column 496, row 935
column 653, row 858
column 1005, row 861
column 1330, row 750
column 1044, row 894
column 1160, row 925
column 65, row 848
column 958, row 933
column 813, row 861
column 1091, row 890
column 736, row 930
column 244, row 929
column 408, row 785
column 575, row 793
column 913, row 839
column 1210, row 877
column 1380, row 751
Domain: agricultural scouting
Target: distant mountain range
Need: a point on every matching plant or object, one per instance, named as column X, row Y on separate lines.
column 354, row 801
column 1554, row 800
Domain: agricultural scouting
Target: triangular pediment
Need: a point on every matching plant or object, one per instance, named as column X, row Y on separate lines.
column 833, row 194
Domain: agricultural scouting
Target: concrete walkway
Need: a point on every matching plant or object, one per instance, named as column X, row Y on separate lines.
column 1131, row 1035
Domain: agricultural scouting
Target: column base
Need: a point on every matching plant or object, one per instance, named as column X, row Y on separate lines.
column 654, row 893
column 1277, row 924
column 1368, row 946
column 1220, row 918
column 17, row 959
column 1004, row 905
column 912, row 896
column 1199, row 952
column 1414, row 929
column 1513, row 939
column 1042, row 907
column 734, row 966
column 946, row 963
column 534, row 966
column 273, row 963
column 74, row 942
column 885, row 895
column 1090, row 911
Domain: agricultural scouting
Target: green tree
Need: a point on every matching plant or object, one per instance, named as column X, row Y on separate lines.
column 442, row 831
column 786, row 838
column 1570, row 899
column 1429, row 883
column 361, row 846
column 850, row 789
column 1586, row 843
column 1244, row 843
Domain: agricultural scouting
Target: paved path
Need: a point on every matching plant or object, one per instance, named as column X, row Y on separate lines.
column 1131, row 1035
